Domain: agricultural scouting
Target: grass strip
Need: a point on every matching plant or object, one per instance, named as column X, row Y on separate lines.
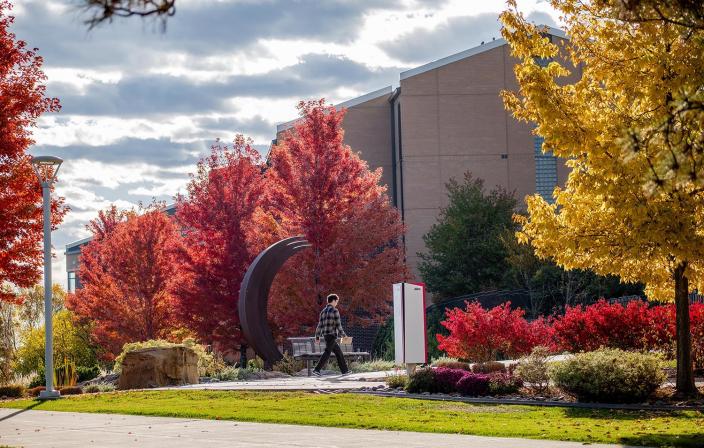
column 650, row 428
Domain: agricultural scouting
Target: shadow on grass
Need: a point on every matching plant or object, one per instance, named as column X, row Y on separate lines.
column 695, row 439
column 665, row 440
column 28, row 408
column 627, row 414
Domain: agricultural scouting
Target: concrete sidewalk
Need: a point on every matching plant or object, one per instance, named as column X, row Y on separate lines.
column 45, row 429
column 328, row 382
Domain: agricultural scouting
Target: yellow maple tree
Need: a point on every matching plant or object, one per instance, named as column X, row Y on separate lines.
column 631, row 131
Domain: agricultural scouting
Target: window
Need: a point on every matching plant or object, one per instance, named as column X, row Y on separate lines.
column 545, row 171
column 72, row 281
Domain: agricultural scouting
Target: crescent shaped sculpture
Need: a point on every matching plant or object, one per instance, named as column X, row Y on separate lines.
column 254, row 296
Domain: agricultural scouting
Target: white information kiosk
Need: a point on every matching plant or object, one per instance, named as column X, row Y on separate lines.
column 410, row 338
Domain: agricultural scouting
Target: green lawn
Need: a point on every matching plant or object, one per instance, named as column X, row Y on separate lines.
column 683, row 428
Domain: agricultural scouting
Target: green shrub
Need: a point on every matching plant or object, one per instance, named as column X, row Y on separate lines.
column 442, row 359
column 289, row 365
column 533, row 369
column 37, row 380
column 208, row 363
column 236, row 374
column 395, row 381
column 504, row 384
column 422, row 380
column 91, row 388
column 609, row 375
column 106, row 388
column 94, row 388
column 376, row 365
column 255, row 364
column 383, row 346
column 87, row 373
column 12, row 391
column 489, row 367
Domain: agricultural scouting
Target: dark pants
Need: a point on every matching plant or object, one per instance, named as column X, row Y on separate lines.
column 331, row 345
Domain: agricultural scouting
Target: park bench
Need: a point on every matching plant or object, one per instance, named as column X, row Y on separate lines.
column 307, row 349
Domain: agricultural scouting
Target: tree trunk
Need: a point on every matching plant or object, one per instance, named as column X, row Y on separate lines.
column 685, row 373
column 243, row 356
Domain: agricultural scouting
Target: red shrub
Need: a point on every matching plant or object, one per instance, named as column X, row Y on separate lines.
column 34, row 391
column 696, row 316
column 483, row 335
column 70, row 390
column 474, row 384
column 604, row 324
column 446, row 379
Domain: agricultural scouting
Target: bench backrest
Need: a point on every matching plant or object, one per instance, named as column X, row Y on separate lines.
column 307, row 346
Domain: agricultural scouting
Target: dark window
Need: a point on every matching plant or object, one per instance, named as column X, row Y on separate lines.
column 72, row 281
column 545, row 171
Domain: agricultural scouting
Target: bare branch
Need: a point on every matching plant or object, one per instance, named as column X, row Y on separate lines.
column 106, row 10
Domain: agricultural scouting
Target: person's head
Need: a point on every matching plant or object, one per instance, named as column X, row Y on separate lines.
column 333, row 299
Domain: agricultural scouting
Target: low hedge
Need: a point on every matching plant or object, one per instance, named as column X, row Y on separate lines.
column 504, row 384
column 609, row 375
column 474, row 384
column 396, row 381
column 87, row 373
column 34, row 391
column 454, row 365
column 422, row 380
column 489, row 367
column 70, row 390
column 446, row 380
column 12, row 391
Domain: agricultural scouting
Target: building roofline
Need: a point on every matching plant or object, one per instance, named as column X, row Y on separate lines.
column 471, row 52
column 388, row 90
column 78, row 243
column 88, row 239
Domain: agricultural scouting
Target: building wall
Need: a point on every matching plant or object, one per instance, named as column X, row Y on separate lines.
column 368, row 130
column 452, row 121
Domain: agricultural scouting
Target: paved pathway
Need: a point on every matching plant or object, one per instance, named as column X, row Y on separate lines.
column 329, row 382
column 43, row 429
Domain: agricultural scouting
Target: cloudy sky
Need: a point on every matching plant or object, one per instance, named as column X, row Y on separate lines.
column 140, row 105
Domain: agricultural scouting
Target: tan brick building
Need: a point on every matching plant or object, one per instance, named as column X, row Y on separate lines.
column 447, row 118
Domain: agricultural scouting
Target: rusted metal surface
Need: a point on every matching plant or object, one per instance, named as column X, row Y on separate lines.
column 254, row 296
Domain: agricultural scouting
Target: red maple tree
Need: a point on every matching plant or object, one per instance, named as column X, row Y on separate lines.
column 128, row 272
column 220, row 219
column 22, row 101
column 323, row 190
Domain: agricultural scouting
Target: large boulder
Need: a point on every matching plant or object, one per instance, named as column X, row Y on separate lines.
column 158, row 367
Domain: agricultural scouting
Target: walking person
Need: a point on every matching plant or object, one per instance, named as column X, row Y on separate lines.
column 329, row 328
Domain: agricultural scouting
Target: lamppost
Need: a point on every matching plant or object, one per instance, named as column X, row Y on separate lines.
column 46, row 168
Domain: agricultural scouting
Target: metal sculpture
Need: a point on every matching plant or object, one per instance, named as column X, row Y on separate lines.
column 254, row 296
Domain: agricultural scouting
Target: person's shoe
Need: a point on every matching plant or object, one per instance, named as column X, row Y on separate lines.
column 316, row 373
column 346, row 373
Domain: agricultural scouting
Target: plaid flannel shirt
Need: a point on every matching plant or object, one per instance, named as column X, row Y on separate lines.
column 329, row 323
